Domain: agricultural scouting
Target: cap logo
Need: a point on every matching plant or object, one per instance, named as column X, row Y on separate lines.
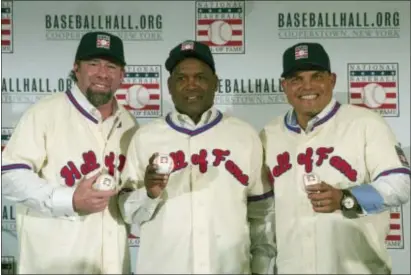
column 188, row 45
column 301, row 52
column 103, row 41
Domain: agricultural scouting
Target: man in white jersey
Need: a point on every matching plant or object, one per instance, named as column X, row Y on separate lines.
column 337, row 169
column 59, row 147
column 195, row 220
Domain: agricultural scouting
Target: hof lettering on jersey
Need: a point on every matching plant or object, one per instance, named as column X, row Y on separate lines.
column 310, row 158
column 70, row 172
column 220, row 157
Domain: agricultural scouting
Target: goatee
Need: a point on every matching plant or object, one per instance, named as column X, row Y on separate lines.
column 98, row 98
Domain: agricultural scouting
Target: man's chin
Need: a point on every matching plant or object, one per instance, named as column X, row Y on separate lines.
column 97, row 98
column 311, row 112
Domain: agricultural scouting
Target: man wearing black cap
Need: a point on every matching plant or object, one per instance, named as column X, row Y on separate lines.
column 337, row 170
column 194, row 220
column 56, row 153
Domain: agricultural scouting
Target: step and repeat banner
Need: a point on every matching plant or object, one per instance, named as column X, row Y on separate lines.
column 368, row 43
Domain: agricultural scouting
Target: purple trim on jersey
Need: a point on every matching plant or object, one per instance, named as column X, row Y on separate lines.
column 79, row 108
column 297, row 129
column 328, row 116
column 261, row 197
column 394, row 171
column 196, row 131
column 9, row 167
column 291, row 128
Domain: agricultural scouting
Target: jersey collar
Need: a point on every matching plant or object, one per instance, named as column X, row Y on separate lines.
column 290, row 119
column 182, row 123
column 81, row 103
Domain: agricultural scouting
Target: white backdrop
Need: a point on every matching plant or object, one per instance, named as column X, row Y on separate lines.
column 365, row 40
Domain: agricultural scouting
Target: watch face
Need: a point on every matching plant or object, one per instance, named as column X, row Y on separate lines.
column 348, row 203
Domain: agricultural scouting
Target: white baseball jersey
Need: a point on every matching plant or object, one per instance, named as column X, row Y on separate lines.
column 57, row 142
column 347, row 147
column 199, row 224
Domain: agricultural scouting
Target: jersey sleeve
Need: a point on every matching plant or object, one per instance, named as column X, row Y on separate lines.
column 22, row 161
column 387, row 168
column 259, row 185
column 260, row 213
column 383, row 154
column 135, row 205
column 26, row 147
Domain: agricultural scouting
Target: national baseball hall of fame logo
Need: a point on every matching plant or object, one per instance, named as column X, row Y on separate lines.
column 6, row 26
column 395, row 238
column 140, row 92
column 220, row 25
column 374, row 86
column 133, row 240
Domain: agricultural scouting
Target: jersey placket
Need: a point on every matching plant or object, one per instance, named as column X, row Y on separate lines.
column 110, row 239
column 306, row 213
column 107, row 130
column 200, row 225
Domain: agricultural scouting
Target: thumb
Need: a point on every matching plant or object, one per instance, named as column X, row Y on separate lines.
column 153, row 156
column 90, row 179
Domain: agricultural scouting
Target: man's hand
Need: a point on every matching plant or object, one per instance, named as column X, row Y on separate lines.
column 155, row 183
column 87, row 200
column 324, row 197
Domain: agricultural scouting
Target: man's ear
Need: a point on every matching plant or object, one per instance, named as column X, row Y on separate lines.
column 283, row 83
column 169, row 84
column 216, row 82
column 333, row 79
column 122, row 73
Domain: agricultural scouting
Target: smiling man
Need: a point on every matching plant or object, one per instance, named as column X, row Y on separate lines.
column 214, row 210
column 59, row 147
column 337, row 170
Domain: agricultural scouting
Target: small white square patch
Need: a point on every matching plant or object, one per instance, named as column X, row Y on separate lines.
column 188, row 45
column 301, row 52
column 103, row 41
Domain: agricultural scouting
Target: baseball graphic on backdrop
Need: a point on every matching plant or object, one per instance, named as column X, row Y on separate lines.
column 219, row 32
column 373, row 95
column 165, row 164
column 138, row 96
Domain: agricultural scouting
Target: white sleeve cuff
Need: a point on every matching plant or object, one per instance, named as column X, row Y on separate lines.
column 152, row 204
column 137, row 207
column 62, row 201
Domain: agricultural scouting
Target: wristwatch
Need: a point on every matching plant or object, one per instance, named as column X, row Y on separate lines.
column 348, row 201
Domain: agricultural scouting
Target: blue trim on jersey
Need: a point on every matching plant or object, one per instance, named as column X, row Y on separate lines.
column 290, row 127
column 291, row 123
column 261, row 197
column 79, row 108
column 368, row 198
column 394, row 171
column 328, row 116
column 9, row 167
column 195, row 132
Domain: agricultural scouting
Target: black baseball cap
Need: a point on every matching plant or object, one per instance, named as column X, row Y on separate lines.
column 305, row 56
column 101, row 44
column 190, row 48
